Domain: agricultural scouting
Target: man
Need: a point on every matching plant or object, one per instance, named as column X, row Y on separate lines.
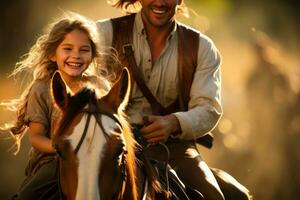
column 155, row 44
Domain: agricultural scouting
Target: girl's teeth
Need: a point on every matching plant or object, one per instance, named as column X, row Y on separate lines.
column 74, row 64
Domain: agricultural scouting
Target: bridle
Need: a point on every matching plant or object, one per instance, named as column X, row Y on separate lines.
column 97, row 112
column 94, row 110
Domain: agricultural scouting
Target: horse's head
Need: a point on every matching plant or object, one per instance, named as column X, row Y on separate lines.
column 94, row 142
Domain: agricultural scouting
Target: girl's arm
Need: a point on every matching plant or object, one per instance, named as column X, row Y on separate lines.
column 38, row 139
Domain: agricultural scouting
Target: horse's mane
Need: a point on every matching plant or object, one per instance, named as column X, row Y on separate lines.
column 129, row 142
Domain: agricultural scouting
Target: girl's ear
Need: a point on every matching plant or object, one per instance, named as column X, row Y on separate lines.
column 59, row 91
column 119, row 93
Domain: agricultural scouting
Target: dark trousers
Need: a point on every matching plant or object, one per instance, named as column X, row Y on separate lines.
column 41, row 186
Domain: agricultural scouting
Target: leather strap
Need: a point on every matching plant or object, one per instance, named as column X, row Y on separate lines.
column 156, row 107
column 123, row 27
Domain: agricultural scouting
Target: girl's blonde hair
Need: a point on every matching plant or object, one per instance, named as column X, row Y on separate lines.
column 38, row 65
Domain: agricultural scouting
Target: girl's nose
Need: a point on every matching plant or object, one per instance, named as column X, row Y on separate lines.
column 76, row 54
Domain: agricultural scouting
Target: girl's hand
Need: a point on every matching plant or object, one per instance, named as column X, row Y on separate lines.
column 160, row 128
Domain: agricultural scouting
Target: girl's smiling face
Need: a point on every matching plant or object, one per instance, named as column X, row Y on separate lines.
column 74, row 54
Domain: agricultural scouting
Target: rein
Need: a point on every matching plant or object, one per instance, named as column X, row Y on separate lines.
column 166, row 162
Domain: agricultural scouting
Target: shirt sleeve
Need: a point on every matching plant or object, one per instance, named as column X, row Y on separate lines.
column 37, row 109
column 205, row 107
column 105, row 32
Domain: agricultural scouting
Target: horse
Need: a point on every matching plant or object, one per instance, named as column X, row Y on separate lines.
column 94, row 143
column 97, row 150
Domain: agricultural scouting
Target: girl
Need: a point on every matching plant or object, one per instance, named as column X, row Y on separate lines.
column 70, row 47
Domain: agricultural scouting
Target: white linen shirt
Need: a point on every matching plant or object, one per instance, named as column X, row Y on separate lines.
column 162, row 79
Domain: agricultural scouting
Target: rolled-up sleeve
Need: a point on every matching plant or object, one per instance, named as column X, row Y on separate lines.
column 205, row 107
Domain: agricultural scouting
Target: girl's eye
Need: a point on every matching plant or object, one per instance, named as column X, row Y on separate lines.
column 67, row 49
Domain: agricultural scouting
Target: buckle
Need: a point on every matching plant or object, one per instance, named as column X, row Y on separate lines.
column 127, row 46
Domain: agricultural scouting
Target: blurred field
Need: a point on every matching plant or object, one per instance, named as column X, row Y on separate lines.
column 258, row 138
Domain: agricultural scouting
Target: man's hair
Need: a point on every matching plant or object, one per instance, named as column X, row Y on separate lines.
column 123, row 4
column 127, row 4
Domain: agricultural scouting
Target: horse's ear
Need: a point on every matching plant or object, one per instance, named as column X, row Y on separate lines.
column 119, row 93
column 59, row 90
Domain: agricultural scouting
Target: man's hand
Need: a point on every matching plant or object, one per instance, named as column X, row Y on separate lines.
column 160, row 128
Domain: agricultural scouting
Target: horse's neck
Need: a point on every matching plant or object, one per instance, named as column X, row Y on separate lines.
column 89, row 157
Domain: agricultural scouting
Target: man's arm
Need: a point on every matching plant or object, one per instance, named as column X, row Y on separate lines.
column 204, row 106
column 205, row 97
